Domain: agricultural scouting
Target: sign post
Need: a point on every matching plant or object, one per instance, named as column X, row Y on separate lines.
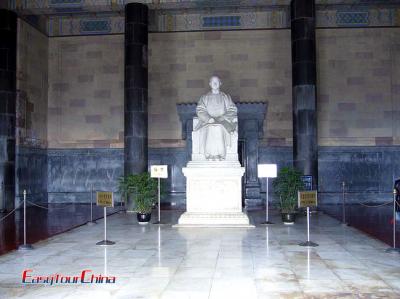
column 267, row 171
column 105, row 199
column 307, row 199
column 159, row 172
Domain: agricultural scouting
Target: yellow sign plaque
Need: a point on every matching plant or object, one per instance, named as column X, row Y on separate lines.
column 104, row 199
column 307, row 199
column 159, row 171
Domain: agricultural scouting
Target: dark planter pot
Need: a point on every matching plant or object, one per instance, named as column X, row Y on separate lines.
column 288, row 218
column 143, row 218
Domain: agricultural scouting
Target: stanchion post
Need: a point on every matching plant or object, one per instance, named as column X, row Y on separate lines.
column 25, row 246
column 308, row 243
column 393, row 248
column 91, row 222
column 344, row 204
column 3, row 199
column 120, row 204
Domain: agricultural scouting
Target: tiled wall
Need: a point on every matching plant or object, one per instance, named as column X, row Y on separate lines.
column 253, row 65
column 31, row 125
column 86, row 90
column 86, row 83
column 359, row 86
column 32, row 86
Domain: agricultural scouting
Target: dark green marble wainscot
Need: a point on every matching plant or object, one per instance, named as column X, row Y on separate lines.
column 66, row 175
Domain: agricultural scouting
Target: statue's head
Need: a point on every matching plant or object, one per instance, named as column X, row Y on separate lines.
column 215, row 82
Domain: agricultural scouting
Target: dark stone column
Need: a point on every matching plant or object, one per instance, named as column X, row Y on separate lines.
column 186, row 114
column 8, row 53
column 251, row 119
column 305, row 147
column 252, row 186
column 136, row 40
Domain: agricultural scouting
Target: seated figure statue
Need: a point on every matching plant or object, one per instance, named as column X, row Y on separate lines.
column 214, row 175
column 215, row 129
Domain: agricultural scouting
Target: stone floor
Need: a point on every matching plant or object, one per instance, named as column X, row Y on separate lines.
column 44, row 221
column 379, row 224
column 165, row 262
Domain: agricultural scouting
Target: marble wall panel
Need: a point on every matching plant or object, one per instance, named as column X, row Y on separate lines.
column 368, row 172
column 31, row 174
column 71, row 173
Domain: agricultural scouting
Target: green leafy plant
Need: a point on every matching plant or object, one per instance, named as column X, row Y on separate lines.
column 286, row 186
column 141, row 188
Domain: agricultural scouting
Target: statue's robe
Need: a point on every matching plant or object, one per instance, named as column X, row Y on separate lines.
column 216, row 137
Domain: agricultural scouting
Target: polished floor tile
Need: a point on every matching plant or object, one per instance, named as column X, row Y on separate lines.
column 165, row 262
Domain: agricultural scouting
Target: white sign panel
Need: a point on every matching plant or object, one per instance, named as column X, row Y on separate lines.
column 267, row 170
column 159, row 171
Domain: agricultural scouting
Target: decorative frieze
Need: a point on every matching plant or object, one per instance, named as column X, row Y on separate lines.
column 76, row 17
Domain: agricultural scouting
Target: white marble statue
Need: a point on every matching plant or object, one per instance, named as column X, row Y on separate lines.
column 214, row 175
column 216, row 124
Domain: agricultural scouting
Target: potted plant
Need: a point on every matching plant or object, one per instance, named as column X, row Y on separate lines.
column 142, row 189
column 286, row 186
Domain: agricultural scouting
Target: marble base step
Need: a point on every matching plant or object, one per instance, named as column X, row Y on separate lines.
column 228, row 219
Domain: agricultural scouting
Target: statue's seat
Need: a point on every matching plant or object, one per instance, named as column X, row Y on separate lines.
column 197, row 142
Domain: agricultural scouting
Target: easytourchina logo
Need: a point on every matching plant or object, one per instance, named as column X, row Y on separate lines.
column 86, row 276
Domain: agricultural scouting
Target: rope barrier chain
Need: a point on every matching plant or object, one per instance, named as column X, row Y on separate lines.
column 375, row 206
column 370, row 206
column 43, row 207
column 1, row 219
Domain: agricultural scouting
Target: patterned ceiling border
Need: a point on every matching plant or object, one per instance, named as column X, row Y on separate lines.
column 57, row 6
column 165, row 21
column 71, row 17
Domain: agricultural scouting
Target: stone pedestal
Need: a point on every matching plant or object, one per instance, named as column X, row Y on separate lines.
column 214, row 195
